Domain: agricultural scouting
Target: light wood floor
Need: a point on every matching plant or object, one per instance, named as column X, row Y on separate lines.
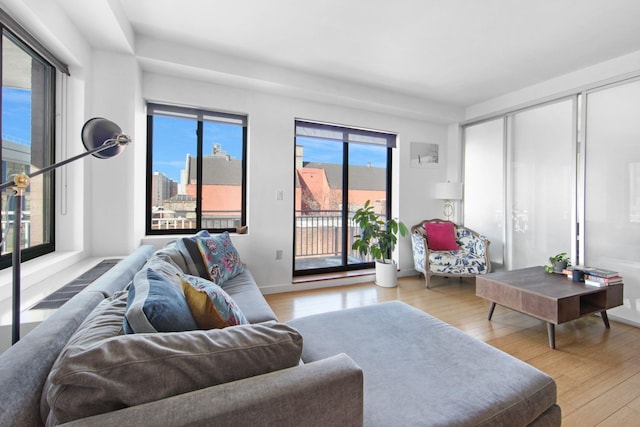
column 597, row 370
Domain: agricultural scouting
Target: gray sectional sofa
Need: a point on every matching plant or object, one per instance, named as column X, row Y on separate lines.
column 382, row 365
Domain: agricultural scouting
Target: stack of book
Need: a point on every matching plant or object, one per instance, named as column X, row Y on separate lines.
column 596, row 276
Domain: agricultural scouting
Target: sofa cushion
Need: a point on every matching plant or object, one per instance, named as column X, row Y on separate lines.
column 246, row 293
column 441, row 236
column 414, row 358
column 210, row 305
column 220, row 257
column 456, row 262
column 165, row 267
column 101, row 370
column 119, row 277
column 103, row 322
column 156, row 304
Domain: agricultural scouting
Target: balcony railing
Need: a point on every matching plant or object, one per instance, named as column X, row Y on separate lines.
column 319, row 234
column 7, row 230
column 210, row 219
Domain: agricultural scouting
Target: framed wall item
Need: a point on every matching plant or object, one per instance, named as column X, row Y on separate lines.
column 425, row 155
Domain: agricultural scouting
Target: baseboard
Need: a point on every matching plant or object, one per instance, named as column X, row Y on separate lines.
column 324, row 282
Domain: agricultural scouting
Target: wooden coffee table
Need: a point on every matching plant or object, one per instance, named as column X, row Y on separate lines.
column 546, row 296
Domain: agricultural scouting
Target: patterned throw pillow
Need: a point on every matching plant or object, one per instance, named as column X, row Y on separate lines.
column 155, row 304
column 210, row 305
column 220, row 257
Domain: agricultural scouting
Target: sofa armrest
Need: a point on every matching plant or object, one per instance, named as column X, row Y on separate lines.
column 322, row 393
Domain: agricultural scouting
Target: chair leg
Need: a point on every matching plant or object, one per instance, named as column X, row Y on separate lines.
column 426, row 279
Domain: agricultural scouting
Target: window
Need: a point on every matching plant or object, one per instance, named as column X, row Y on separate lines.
column 196, row 170
column 28, row 114
column 337, row 170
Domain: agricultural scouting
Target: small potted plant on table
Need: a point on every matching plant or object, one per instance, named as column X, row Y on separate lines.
column 378, row 237
column 558, row 263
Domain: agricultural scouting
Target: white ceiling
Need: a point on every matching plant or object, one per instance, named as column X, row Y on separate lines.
column 460, row 52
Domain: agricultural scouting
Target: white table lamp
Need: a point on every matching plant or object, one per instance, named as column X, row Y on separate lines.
column 448, row 191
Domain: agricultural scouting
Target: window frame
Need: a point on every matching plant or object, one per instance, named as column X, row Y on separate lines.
column 349, row 134
column 200, row 116
column 12, row 30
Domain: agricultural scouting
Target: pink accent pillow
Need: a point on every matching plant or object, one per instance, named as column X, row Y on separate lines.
column 441, row 236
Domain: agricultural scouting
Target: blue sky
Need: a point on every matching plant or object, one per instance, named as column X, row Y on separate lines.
column 330, row 151
column 16, row 115
column 175, row 137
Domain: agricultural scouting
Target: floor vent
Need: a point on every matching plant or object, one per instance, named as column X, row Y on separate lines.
column 68, row 291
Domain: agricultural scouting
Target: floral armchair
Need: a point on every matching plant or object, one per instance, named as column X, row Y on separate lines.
column 455, row 251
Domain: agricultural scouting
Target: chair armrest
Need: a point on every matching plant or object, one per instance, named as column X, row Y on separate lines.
column 420, row 252
column 323, row 393
column 475, row 243
column 472, row 242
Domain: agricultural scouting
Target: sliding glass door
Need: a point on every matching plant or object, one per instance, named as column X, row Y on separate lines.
column 337, row 170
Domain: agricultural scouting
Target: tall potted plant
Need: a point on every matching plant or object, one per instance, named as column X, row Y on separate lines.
column 378, row 237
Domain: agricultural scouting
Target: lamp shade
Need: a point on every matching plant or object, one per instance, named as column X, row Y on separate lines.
column 96, row 132
column 448, row 190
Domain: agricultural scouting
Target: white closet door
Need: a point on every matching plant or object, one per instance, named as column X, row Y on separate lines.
column 484, row 184
column 612, row 189
column 541, row 184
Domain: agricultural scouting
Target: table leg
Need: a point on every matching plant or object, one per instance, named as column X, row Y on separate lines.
column 493, row 307
column 551, row 330
column 605, row 319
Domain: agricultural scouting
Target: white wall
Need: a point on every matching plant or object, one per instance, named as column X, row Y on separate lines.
column 626, row 66
column 111, row 190
column 271, row 165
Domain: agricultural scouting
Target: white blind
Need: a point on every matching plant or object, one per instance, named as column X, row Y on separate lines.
column 195, row 113
column 339, row 133
column 12, row 25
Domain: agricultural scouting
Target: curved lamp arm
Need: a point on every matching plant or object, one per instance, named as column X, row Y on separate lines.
column 102, row 138
column 91, row 129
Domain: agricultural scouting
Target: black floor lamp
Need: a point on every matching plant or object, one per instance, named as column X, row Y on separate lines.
column 100, row 137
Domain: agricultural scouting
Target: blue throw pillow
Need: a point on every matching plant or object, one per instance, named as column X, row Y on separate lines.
column 155, row 304
column 220, row 257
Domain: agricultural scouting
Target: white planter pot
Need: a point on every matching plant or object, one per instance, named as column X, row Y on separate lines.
column 386, row 274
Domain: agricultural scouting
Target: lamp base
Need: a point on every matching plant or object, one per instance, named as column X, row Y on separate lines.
column 447, row 210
